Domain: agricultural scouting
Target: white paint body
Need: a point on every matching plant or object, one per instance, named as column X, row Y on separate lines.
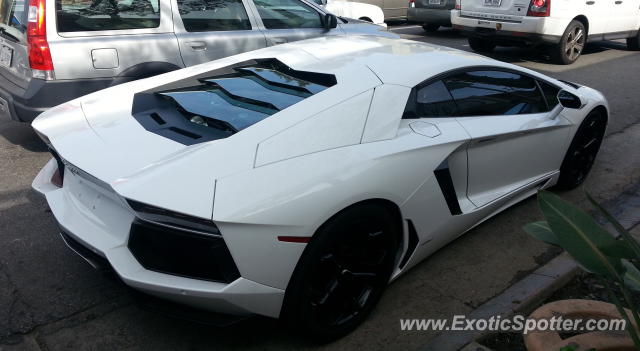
column 357, row 10
column 291, row 172
column 619, row 19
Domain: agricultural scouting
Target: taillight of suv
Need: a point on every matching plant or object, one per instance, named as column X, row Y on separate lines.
column 539, row 8
column 39, row 53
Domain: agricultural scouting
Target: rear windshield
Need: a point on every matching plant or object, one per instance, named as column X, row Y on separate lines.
column 93, row 15
column 13, row 18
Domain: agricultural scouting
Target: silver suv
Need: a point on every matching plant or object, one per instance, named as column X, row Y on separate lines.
column 52, row 51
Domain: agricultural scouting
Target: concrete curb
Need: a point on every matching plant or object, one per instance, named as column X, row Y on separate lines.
column 525, row 295
column 521, row 297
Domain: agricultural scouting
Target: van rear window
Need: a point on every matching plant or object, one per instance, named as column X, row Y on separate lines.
column 94, row 15
column 13, row 17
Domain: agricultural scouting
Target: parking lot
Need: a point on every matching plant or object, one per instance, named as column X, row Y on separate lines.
column 57, row 301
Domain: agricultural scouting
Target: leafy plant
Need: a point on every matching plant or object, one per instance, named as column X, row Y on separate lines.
column 594, row 248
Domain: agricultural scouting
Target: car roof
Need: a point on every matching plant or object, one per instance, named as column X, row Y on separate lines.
column 393, row 61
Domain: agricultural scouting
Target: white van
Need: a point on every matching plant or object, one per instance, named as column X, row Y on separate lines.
column 565, row 24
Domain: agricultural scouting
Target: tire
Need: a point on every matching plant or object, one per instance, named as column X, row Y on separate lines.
column 634, row 42
column 481, row 45
column 571, row 44
column 342, row 273
column 583, row 151
column 430, row 27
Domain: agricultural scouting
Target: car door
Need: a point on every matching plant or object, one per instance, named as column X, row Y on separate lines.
column 211, row 29
column 624, row 18
column 395, row 8
column 598, row 13
column 290, row 20
column 516, row 135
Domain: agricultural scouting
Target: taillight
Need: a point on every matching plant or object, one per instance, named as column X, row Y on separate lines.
column 539, row 8
column 39, row 53
column 412, row 3
column 458, row 4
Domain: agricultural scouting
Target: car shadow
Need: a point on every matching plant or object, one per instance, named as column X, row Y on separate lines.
column 541, row 54
column 23, row 135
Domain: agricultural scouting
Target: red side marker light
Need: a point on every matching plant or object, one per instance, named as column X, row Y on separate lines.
column 56, row 179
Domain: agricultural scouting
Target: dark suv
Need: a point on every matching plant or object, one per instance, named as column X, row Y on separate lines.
column 431, row 14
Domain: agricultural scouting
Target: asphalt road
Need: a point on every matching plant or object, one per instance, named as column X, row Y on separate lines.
column 51, row 299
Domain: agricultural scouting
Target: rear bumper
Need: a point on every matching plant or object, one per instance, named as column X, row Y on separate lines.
column 528, row 30
column 26, row 104
column 426, row 15
column 96, row 225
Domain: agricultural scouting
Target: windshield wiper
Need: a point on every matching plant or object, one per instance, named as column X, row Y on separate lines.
column 5, row 34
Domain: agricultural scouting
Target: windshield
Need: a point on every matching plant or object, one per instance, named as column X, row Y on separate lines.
column 13, row 18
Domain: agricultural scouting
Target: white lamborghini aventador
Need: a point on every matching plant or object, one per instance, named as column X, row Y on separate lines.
column 297, row 181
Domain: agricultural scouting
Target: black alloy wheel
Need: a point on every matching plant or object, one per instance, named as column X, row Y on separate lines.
column 583, row 150
column 342, row 273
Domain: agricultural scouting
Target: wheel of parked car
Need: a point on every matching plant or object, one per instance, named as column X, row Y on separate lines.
column 430, row 27
column 482, row 45
column 571, row 44
column 633, row 43
column 342, row 272
column 583, row 150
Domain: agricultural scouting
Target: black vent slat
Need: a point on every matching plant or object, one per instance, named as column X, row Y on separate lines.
column 283, row 80
column 247, row 88
column 186, row 133
column 156, row 117
column 208, row 104
column 219, row 103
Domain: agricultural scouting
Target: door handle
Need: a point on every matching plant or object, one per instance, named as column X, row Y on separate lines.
column 618, row 2
column 590, row 2
column 197, row 45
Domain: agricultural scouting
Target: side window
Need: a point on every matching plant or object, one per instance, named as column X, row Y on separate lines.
column 480, row 93
column 287, row 14
column 213, row 15
column 434, row 100
column 550, row 93
column 84, row 15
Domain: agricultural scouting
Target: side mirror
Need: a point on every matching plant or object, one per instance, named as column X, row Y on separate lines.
column 569, row 100
column 330, row 21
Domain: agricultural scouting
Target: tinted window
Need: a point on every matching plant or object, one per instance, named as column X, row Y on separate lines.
column 550, row 93
column 92, row 15
column 480, row 93
column 434, row 100
column 213, row 15
column 13, row 17
column 286, row 14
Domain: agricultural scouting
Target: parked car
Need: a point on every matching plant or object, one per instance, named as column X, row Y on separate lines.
column 297, row 181
column 393, row 10
column 564, row 25
column 357, row 10
column 431, row 14
column 53, row 51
